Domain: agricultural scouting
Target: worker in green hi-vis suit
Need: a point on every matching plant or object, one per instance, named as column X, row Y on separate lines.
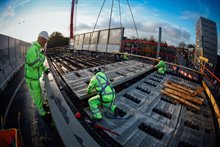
column 161, row 66
column 34, row 67
column 105, row 95
column 125, row 56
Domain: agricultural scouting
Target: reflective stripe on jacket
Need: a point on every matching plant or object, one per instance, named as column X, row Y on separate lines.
column 34, row 60
column 102, row 84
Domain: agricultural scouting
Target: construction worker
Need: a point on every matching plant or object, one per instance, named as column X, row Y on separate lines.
column 34, row 67
column 105, row 95
column 125, row 56
column 161, row 66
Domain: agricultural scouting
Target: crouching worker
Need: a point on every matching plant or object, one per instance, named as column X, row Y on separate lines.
column 33, row 71
column 161, row 66
column 105, row 94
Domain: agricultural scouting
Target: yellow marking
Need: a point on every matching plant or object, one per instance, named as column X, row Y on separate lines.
column 214, row 104
column 204, row 59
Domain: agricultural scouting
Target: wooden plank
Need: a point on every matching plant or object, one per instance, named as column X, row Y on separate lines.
column 181, row 87
column 184, row 96
column 198, row 91
column 183, row 101
column 176, row 88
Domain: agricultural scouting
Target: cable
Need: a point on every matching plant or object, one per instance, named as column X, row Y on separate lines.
column 95, row 24
column 119, row 12
column 109, row 26
column 133, row 20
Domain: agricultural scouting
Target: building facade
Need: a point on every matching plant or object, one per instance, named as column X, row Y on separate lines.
column 206, row 41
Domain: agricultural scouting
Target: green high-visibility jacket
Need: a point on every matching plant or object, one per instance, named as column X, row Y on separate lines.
column 125, row 56
column 162, row 65
column 102, row 84
column 34, row 60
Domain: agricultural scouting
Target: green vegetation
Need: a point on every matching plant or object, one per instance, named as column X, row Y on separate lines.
column 56, row 39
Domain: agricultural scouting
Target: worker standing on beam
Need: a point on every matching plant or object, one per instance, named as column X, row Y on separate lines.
column 34, row 67
column 105, row 95
column 161, row 66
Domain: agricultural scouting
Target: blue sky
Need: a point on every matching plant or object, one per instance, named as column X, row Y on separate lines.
column 26, row 18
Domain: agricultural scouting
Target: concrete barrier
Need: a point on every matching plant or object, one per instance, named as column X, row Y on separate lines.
column 12, row 54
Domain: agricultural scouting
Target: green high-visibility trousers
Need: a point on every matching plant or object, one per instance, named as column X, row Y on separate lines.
column 35, row 92
column 161, row 70
column 95, row 102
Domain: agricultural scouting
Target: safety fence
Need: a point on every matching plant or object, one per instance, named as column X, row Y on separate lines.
column 12, row 53
column 108, row 40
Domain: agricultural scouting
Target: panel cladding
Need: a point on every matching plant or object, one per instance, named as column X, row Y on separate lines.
column 103, row 40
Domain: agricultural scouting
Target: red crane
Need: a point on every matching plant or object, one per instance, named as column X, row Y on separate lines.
column 71, row 19
column 71, row 41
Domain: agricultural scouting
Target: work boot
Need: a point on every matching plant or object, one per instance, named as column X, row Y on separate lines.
column 97, row 116
column 47, row 118
column 46, row 107
column 119, row 112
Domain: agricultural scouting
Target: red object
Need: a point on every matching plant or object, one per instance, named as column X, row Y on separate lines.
column 10, row 137
column 71, row 19
column 106, row 129
column 78, row 115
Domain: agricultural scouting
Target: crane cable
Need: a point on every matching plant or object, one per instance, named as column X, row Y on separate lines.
column 109, row 26
column 119, row 7
column 90, row 37
column 133, row 20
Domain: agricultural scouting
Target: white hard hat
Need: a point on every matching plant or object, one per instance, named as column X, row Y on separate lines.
column 43, row 34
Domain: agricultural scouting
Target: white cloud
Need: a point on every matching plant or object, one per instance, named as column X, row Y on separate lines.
column 29, row 29
column 21, row 3
column 190, row 15
column 203, row 11
column 203, row 8
column 10, row 11
column 147, row 25
column 170, row 33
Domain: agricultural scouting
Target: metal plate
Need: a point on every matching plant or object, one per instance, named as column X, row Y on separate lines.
column 118, row 73
column 157, row 120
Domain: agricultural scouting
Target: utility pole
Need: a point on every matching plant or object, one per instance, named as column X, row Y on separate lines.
column 159, row 40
